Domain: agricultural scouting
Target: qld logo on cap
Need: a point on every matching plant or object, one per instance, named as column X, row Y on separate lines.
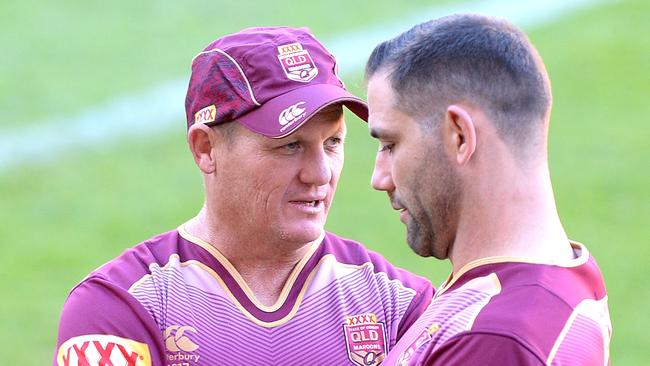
column 297, row 63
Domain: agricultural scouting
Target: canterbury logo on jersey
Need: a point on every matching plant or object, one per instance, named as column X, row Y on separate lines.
column 100, row 349
column 291, row 115
column 180, row 346
column 176, row 340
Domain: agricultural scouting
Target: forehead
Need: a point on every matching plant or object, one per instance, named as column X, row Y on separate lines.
column 331, row 113
column 327, row 121
column 322, row 125
column 384, row 116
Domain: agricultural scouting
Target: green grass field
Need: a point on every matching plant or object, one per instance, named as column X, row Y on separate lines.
column 62, row 218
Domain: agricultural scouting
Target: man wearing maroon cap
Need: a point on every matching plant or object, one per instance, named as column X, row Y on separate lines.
column 253, row 278
column 461, row 107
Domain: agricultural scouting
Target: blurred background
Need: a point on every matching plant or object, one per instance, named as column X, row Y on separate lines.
column 93, row 156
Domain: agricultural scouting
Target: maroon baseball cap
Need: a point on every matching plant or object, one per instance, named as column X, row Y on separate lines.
column 270, row 79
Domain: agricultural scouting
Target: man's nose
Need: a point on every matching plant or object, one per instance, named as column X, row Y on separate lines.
column 317, row 169
column 382, row 179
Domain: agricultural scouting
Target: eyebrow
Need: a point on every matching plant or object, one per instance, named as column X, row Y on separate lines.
column 342, row 131
column 380, row 133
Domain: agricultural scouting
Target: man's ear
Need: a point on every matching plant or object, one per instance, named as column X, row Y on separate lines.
column 200, row 139
column 460, row 131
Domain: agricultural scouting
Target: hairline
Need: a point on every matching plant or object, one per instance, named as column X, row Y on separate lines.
column 445, row 82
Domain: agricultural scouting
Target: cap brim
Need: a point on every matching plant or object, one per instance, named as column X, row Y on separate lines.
column 284, row 114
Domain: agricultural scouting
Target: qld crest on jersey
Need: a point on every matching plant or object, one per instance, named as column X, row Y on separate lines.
column 365, row 339
column 297, row 63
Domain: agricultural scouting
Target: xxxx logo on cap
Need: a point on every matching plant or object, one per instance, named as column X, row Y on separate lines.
column 297, row 63
column 206, row 115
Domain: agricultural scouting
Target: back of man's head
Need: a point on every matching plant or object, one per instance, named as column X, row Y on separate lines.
column 474, row 59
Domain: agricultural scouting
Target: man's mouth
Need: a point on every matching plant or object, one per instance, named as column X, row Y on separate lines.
column 396, row 206
column 308, row 203
column 403, row 215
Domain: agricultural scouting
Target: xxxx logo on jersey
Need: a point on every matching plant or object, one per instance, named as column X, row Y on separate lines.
column 100, row 349
column 365, row 338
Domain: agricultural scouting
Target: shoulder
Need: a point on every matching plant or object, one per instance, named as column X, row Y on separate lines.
column 107, row 291
column 530, row 313
column 102, row 320
column 134, row 263
column 482, row 348
column 546, row 308
column 97, row 303
column 353, row 253
column 101, row 317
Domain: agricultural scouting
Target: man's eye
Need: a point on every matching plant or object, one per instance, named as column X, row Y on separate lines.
column 386, row 147
column 333, row 142
column 292, row 146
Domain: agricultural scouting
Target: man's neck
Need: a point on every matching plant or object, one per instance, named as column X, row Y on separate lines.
column 264, row 265
column 515, row 216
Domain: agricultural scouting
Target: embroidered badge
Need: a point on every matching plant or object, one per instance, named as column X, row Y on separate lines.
column 206, row 115
column 365, row 339
column 297, row 63
column 103, row 349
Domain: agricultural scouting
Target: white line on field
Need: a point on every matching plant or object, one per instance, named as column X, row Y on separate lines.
column 128, row 116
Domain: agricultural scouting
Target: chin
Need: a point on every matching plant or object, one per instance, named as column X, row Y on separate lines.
column 421, row 245
column 420, row 250
column 303, row 233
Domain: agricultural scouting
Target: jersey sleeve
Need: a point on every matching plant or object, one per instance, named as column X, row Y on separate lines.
column 102, row 324
column 417, row 307
column 482, row 349
column 421, row 286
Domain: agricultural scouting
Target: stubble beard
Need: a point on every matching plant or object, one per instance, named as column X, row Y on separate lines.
column 434, row 212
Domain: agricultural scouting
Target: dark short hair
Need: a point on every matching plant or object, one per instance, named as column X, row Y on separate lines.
column 227, row 130
column 468, row 58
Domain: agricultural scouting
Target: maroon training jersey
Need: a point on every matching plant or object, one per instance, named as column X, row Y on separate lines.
column 510, row 311
column 175, row 300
